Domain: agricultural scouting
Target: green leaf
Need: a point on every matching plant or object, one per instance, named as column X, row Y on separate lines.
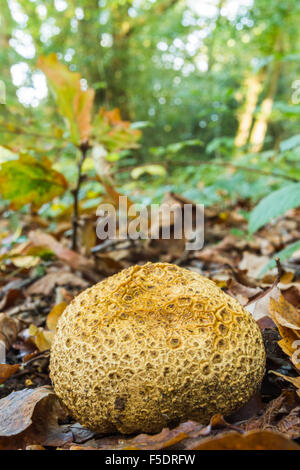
column 274, row 205
column 177, row 146
column 154, row 170
column 27, row 180
column 284, row 254
column 141, row 124
column 288, row 109
column 290, row 143
column 74, row 103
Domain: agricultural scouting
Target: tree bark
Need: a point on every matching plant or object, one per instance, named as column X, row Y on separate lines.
column 259, row 130
column 253, row 87
column 260, row 127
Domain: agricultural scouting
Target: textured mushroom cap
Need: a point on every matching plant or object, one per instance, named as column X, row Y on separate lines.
column 154, row 345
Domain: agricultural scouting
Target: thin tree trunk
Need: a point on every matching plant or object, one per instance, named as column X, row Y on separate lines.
column 261, row 124
column 254, row 87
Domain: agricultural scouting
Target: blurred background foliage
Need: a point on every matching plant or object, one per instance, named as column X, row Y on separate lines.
column 212, row 86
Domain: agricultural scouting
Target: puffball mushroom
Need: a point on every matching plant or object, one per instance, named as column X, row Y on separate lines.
column 152, row 346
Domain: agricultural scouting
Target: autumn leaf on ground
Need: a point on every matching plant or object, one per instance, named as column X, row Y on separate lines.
column 24, row 255
column 285, row 313
column 31, row 417
column 7, row 370
column 74, row 103
column 281, row 415
column 183, row 434
column 253, row 440
column 28, row 180
column 54, row 315
column 46, row 284
column 9, row 329
column 42, row 337
column 73, row 259
column 287, row 320
column 293, row 380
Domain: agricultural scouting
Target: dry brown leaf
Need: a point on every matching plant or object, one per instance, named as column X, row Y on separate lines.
column 287, row 277
column 253, row 263
column 35, row 447
column 285, row 313
column 241, row 292
column 9, row 329
column 253, row 440
column 7, row 370
column 41, row 338
column 54, row 315
column 281, row 415
column 73, row 259
column 183, row 434
column 291, row 293
column 260, row 307
column 106, row 263
column 9, row 299
column 293, row 380
column 31, row 417
column 47, row 283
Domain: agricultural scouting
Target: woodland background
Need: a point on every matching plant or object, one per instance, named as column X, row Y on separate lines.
column 210, row 82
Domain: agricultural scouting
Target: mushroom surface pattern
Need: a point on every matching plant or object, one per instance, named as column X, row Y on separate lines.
column 152, row 346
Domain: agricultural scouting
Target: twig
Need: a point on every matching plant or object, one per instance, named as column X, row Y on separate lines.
column 83, row 148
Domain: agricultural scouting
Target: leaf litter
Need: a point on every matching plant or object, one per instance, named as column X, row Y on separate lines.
column 33, row 296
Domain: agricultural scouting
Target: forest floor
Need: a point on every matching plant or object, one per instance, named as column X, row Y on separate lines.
column 35, row 288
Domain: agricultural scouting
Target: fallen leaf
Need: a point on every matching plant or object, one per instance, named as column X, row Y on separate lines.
column 293, row 380
column 9, row 329
column 265, row 322
column 287, row 277
column 73, row 259
column 41, row 338
column 285, row 313
column 47, row 283
column 241, row 292
column 7, row 370
column 10, row 298
column 253, row 263
column 291, row 293
column 260, row 307
column 281, row 415
column 286, row 319
column 54, row 315
column 253, row 440
column 30, row 417
column 35, row 447
column 183, row 434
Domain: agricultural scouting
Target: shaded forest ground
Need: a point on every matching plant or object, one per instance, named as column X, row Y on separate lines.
column 40, row 277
